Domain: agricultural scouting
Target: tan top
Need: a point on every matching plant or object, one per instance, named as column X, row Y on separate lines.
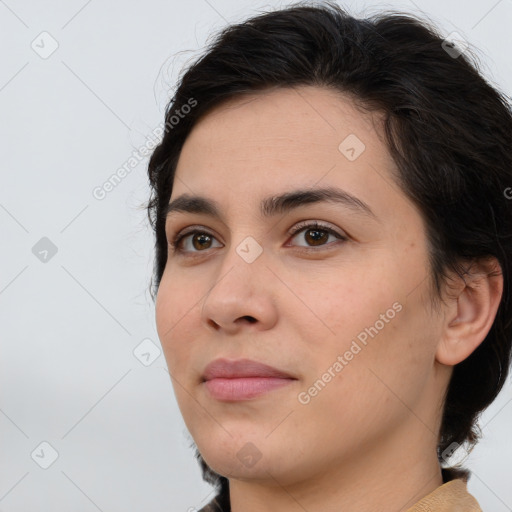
column 451, row 496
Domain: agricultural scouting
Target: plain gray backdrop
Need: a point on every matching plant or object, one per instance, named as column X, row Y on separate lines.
column 88, row 418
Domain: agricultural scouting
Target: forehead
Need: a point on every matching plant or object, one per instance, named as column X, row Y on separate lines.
column 267, row 143
column 303, row 121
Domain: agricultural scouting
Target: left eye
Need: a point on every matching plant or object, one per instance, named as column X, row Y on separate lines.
column 316, row 234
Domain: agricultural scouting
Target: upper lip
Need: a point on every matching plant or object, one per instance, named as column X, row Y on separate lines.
column 232, row 369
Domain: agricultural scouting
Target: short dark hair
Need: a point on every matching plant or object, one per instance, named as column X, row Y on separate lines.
column 448, row 130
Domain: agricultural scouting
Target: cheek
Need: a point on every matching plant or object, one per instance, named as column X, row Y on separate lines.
column 174, row 308
column 346, row 304
column 382, row 336
column 177, row 294
column 371, row 394
column 386, row 379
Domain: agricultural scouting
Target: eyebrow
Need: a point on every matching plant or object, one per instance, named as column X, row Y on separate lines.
column 274, row 205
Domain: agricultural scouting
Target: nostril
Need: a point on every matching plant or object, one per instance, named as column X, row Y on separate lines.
column 250, row 319
column 214, row 324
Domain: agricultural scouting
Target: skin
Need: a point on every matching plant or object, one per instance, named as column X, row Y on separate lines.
column 368, row 439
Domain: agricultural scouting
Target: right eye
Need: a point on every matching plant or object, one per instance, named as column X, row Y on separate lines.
column 194, row 240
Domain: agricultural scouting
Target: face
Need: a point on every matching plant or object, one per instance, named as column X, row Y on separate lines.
column 342, row 307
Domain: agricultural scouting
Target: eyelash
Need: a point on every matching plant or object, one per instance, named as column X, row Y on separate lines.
column 305, row 226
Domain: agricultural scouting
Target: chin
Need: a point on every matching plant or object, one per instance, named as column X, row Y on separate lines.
column 237, row 456
column 245, row 461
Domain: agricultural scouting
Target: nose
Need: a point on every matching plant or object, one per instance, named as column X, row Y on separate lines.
column 241, row 296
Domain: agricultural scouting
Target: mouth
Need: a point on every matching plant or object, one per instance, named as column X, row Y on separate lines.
column 243, row 388
column 242, row 379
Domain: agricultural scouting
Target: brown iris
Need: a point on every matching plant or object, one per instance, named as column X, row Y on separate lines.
column 201, row 238
column 319, row 236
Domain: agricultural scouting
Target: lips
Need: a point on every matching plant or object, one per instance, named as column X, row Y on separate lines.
column 240, row 368
column 242, row 379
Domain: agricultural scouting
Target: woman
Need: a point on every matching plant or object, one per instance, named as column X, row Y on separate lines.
column 332, row 272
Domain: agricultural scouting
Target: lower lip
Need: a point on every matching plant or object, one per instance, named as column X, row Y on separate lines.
column 244, row 388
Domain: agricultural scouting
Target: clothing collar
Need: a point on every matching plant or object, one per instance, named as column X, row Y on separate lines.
column 452, row 496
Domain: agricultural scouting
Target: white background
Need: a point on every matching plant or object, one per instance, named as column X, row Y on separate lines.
column 69, row 326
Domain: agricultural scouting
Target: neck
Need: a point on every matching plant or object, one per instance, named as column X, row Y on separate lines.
column 388, row 476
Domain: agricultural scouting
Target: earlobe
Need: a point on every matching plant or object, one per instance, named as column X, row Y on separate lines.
column 471, row 312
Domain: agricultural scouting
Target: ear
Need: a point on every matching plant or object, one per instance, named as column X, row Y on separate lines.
column 471, row 311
